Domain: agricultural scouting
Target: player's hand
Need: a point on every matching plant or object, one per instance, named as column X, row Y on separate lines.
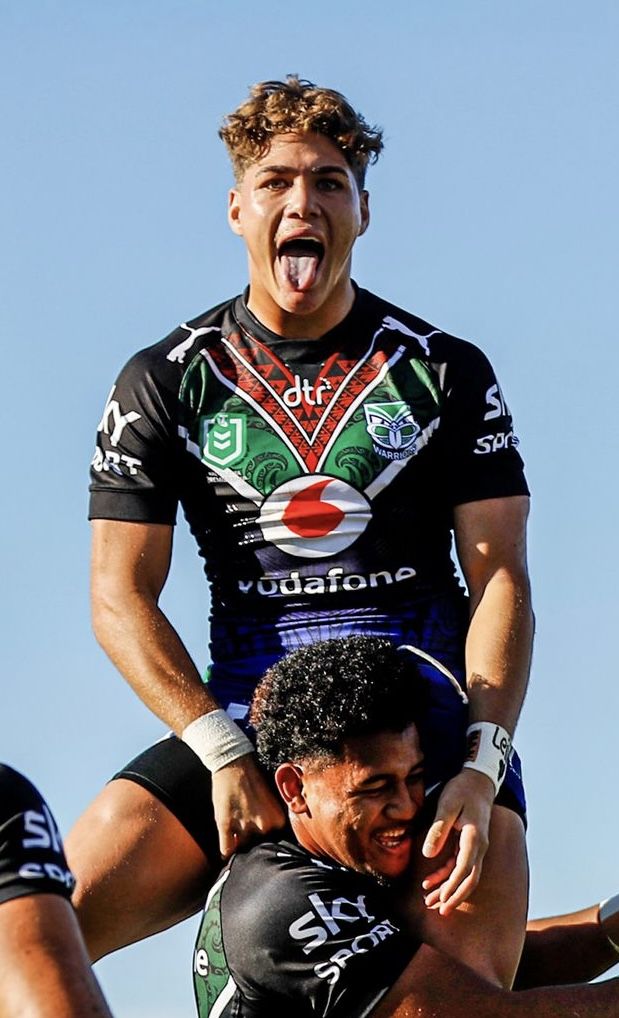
column 245, row 806
column 464, row 808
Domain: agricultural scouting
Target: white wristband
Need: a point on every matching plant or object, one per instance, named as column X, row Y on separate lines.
column 488, row 748
column 216, row 740
column 607, row 910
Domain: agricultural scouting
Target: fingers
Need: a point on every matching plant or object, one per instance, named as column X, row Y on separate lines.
column 463, row 811
column 228, row 843
column 465, row 875
column 439, row 876
column 447, row 812
column 244, row 812
column 243, row 829
column 436, row 838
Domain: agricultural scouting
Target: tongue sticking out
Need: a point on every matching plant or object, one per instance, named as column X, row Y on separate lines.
column 299, row 270
column 299, row 265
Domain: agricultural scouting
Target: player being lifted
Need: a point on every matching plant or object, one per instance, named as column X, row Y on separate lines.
column 324, row 445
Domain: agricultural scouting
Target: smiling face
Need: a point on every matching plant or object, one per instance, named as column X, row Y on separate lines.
column 299, row 211
column 360, row 810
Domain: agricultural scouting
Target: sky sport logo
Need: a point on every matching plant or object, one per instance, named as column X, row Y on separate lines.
column 327, row 920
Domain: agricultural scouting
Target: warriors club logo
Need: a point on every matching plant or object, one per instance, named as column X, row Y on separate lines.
column 314, row 517
column 393, row 429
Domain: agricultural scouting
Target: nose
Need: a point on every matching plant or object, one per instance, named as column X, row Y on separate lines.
column 405, row 801
column 302, row 199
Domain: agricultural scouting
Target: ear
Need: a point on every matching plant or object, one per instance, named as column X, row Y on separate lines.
column 364, row 200
column 289, row 781
column 234, row 212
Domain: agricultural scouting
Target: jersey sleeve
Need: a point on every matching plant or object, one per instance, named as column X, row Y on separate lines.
column 318, row 941
column 481, row 447
column 32, row 859
column 134, row 468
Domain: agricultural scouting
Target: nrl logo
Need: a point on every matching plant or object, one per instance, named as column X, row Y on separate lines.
column 222, row 439
column 393, row 429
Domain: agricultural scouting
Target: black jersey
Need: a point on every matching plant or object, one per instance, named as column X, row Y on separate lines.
column 313, row 474
column 284, row 933
column 32, row 859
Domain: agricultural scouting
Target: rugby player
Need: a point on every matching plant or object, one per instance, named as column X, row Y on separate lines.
column 319, row 922
column 44, row 967
column 323, row 444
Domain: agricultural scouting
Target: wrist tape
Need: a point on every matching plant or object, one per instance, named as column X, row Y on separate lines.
column 607, row 910
column 216, row 740
column 488, row 747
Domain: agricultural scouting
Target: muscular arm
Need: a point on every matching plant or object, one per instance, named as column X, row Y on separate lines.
column 491, row 544
column 435, row 986
column 567, row 949
column 130, row 563
column 44, row 969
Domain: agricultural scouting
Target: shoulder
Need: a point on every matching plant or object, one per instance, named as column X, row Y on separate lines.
column 172, row 353
column 432, row 342
column 273, row 873
column 31, row 854
column 283, row 904
column 17, row 794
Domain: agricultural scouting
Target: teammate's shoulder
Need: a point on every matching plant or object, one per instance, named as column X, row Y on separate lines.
column 17, row 793
column 433, row 342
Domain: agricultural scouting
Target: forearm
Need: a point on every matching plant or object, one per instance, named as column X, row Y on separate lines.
column 434, row 986
column 498, row 648
column 565, row 949
column 44, row 968
column 149, row 653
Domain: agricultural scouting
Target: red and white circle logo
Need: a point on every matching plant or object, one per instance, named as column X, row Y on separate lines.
column 314, row 517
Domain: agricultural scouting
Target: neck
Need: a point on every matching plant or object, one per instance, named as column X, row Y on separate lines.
column 299, row 325
column 304, row 837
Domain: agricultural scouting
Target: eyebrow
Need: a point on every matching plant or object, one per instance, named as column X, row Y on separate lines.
column 293, row 169
column 416, row 771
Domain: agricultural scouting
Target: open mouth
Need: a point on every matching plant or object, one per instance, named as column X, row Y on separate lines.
column 299, row 259
column 394, row 839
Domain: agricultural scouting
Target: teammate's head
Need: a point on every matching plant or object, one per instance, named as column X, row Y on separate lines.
column 336, row 722
column 297, row 106
column 315, row 699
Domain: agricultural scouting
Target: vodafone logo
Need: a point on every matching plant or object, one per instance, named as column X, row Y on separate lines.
column 314, row 517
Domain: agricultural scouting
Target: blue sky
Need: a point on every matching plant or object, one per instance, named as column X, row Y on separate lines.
column 495, row 216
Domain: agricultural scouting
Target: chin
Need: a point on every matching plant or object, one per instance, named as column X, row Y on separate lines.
column 300, row 303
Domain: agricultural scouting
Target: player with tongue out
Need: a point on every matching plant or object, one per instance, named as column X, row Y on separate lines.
column 323, row 444
column 299, row 209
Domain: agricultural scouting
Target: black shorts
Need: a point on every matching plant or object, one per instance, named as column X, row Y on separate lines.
column 172, row 772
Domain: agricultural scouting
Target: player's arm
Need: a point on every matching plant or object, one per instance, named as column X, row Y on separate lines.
column 577, row 947
column 44, row 969
column 435, row 986
column 491, row 545
column 130, row 564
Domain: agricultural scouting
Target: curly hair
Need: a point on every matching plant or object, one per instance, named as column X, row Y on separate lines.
column 298, row 106
column 318, row 697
